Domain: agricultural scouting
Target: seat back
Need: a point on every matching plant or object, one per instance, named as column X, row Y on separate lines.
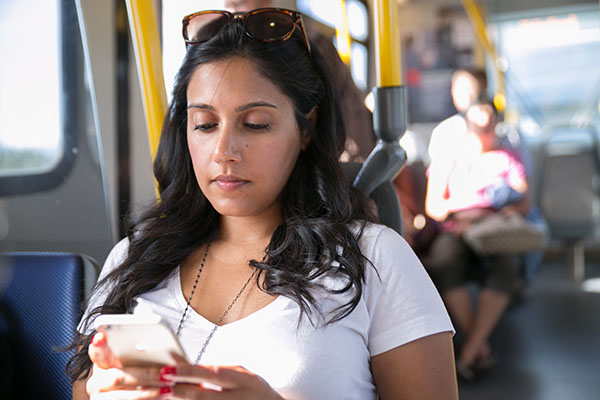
column 568, row 186
column 40, row 306
column 384, row 196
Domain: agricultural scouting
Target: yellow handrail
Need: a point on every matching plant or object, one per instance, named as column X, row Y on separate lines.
column 387, row 43
column 342, row 35
column 148, row 54
column 475, row 16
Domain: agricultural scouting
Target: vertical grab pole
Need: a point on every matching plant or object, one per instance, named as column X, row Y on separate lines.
column 389, row 114
column 387, row 43
column 475, row 15
column 148, row 55
column 342, row 35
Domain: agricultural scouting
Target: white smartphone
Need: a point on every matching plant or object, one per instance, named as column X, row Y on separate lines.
column 139, row 339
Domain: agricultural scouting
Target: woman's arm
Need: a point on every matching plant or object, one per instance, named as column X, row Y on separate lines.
column 422, row 369
column 79, row 392
column 436, row 204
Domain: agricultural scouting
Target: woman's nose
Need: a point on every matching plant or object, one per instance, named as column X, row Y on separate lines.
column 227, row 146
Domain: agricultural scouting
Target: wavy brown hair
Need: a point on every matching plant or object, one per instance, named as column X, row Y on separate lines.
column 318, row 204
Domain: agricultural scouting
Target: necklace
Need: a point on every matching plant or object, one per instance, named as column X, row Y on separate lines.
column 214, row 329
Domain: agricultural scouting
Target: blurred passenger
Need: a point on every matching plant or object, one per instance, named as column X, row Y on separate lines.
column 358, row 122
column 468, row 85
column 457, row 195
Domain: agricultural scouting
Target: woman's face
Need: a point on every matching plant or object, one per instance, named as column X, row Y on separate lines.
column 242, row 137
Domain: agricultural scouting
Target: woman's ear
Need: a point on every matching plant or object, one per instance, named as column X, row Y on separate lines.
column 312, row 118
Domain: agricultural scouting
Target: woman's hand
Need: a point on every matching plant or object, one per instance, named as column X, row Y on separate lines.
column 464, row 219
column 110, row 380
column 215, row 382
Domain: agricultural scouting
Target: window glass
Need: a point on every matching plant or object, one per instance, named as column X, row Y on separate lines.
column 31, row 139
column 330, row 14
column 358, row 20
column 359, row 61
column 326, row 12
column 551, row 62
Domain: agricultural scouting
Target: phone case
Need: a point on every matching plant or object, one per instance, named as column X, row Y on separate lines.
column 139, row 340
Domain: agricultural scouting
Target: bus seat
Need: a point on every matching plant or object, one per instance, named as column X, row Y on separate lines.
column 40, row 306
column 568, row 192
column 384, row 196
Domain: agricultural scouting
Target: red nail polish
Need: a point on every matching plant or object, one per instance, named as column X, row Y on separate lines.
column 165, row 390
column 166, row 374
column 168, row 370
column 99, row 339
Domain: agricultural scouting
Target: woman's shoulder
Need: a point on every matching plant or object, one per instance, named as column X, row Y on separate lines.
column 509, row 153
column 117, row 255
column 370, row 231
column 119, row 250
column 378, row 241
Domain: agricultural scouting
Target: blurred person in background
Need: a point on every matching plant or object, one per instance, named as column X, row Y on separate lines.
column 468, row 85
column 458, row 194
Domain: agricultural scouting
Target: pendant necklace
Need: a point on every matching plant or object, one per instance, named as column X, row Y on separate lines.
column 214, row 329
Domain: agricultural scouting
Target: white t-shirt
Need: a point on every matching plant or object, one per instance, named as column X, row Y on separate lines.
column 446, row 138
column 398, row 305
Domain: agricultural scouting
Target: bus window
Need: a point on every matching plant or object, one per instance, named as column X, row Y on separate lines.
column 551, row 62
column 32, row 143
column 331, row 15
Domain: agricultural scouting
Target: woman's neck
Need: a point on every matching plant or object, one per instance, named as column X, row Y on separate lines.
column 249, row 231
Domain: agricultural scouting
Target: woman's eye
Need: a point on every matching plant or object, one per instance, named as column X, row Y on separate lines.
column 257, row 127
column 204, row 127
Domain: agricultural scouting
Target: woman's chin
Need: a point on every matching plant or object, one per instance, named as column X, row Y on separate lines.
column 235, row 210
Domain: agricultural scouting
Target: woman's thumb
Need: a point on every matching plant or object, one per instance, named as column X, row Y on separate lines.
column 100, row 354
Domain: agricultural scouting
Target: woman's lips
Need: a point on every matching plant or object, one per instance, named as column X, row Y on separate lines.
column 228, row 183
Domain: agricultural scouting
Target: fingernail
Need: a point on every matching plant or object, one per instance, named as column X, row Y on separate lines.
column 99, row 339
column 166, row 373
column 164, row 390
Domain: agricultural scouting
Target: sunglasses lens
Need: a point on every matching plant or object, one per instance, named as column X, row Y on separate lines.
column 269, row 25
column 202, row 27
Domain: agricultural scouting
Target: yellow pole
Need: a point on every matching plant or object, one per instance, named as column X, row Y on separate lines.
column 387, row 43
column 389, row 112
column 476, row 17
column 342, row 35
column 148, row 54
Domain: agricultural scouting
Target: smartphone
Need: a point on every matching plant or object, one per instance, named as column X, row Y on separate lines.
column 139, row 339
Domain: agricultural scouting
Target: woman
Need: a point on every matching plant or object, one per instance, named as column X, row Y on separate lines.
column 259, row 253
column 462, row 188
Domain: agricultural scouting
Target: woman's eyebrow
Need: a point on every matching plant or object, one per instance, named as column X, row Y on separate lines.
column 201, row 106
column 245, row 107
column 254, row 104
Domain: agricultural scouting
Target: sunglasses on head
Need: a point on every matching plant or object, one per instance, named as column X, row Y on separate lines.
column 268, row 25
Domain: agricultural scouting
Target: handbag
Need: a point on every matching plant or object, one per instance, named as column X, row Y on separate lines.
column 500, row 234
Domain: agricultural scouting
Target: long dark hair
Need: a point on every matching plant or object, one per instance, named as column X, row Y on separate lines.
column 318, row 204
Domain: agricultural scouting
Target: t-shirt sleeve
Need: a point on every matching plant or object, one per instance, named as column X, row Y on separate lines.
column 402, row 302
column 516, row 176
column 116, row 256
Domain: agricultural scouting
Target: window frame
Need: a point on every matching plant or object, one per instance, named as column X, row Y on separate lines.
column 71, row 93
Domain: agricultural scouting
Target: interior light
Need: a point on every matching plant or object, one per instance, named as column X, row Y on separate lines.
column 419, row 221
